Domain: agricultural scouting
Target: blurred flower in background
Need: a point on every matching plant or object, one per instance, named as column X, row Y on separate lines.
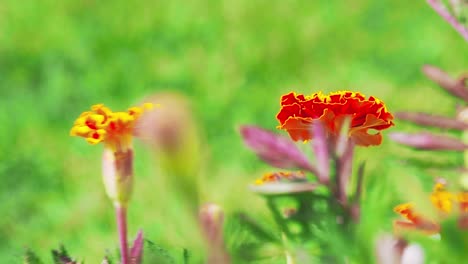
column 172, row 133
column 392, row 250
column 444, row 202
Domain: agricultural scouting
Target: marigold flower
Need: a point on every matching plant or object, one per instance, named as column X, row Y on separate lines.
column 100, row 124
column 281, row 176
column 444, row 201
column 115, row 130
column 298, row 112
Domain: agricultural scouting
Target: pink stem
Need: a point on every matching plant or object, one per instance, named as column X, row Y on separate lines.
column 442, row 11
column 121, row 215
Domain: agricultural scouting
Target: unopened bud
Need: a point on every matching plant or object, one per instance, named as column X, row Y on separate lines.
column 117, row 171
column 170, row 127
column 211, row 219
column 413, row 254
column 172, row 133
column 390, row 250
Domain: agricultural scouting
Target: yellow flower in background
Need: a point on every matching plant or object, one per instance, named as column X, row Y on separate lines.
column 115, row 129
column 444, row 201
column 281, row 176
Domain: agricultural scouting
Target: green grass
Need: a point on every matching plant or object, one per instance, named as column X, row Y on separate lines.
column 233, row 60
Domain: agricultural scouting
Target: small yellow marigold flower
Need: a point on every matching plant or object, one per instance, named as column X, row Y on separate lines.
column 100, row 124
column 115, row 130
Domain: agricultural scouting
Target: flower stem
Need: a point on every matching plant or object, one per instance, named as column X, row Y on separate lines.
column 121, row 216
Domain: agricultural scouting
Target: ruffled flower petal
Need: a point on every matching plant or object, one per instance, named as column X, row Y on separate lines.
column 100, row 124
column 298, row 112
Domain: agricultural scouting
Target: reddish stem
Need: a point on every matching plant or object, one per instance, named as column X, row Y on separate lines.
column 445, row 14
column 121, row 215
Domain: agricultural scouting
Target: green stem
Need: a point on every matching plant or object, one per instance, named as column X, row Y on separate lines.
column 278, row 216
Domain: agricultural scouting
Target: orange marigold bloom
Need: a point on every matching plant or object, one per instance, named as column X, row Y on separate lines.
column 298, row 112
column 281, row 176
column 443, row 200
column 115, row 130
column 100, row 124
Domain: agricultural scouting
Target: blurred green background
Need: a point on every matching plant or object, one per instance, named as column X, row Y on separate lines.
column 233, row 59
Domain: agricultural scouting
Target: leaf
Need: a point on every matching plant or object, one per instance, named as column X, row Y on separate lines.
column 455, row 238
column 424, row 119
column 136, row 251
column 320, row 147
column 31, row 258
column 257, row 229
column 186, row 256
column 157, row 254
column 61, row 256
column 455, row 87
column 344, row 166
column 428, row 141
column 106, row 260
column 277, row 151
column 279, row 188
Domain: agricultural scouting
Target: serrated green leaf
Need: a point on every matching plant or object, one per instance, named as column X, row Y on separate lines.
column 31, row 258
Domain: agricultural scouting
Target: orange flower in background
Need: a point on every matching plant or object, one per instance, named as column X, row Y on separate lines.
column 298, row 112
column 445, row 202
column 281, row 176
column 100, row 124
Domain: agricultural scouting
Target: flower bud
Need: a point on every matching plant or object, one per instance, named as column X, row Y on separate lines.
column 171, row 127
column 413, row 254
column 390, row 250
column 117, row 171
column 172, row 133
column 211, row 219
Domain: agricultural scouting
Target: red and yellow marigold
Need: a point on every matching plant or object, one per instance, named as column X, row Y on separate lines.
column 115, row 130
column 298, row 112
column 100, row 124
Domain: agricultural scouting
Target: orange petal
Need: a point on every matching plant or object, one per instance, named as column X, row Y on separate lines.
column 288, row 111
column 361, row 136
column 400, row 227
column 298, row 128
